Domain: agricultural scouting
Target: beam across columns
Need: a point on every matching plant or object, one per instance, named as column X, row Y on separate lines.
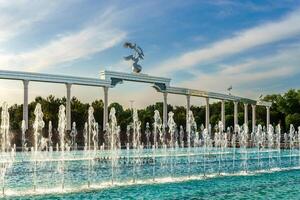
column 253, row 118
column 68, row 106
column 25, row 103
column 105, row 107
column 207, row 113
column 165, row 109
column 223, row 114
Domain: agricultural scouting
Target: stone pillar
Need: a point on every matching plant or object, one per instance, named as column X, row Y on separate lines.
column 223, row 114
column 207, row 114
column 253, row 117
column 165, row 109
column 105, row 108
column 188, row 105
column 25, row 102
column 235, row 114
column 68, row 106
column 246, row 114
column 268, row 117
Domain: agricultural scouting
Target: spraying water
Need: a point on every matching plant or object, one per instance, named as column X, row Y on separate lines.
column 38, row 126
column 136, row 142
column 113, row 131
column 50, row 136
column 74, row 135
column 157, row 126
column 23, row 128
column 148, row 134
column 5, row 137
column 62, row 125
column 172, row 130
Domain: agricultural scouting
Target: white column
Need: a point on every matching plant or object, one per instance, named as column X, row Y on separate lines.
column 105, row 108
column 246, row 114
column 223, row 114
column 235, row 114
column 68, row 106
column 188, row 105
column 207, row 113
column 165, row 109
column 253, row 117
column 25, row 102
column 268, row 117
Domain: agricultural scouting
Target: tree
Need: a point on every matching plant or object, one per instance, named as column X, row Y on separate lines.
column 293, row 119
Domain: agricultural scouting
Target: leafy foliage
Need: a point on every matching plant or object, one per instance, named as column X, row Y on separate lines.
column 285, row 110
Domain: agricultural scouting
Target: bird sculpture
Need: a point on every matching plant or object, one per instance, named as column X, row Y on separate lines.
column 229, row 89
column 137, row 55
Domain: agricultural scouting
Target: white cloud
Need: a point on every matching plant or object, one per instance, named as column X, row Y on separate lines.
column 16, row 17
column 266, row 33
column 93, row 38
column 247, row 75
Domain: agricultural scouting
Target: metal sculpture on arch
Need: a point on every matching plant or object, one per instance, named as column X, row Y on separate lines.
column 137, row 55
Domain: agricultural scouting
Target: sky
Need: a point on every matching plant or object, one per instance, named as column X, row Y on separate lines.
column 207, row 45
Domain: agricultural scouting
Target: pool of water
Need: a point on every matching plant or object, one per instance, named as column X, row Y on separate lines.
column 195, row 173
column 276, row 185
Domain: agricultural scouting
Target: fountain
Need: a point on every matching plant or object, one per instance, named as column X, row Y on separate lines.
column 148, row 134
column 170, row 154
column 50, row 136
column 243, row 141
column 8, row 152
column 233, row 146
column 5, row 136
column 181, row 136
column 172, row 130
column 62, row 124
column 85, row 136
column 113, row 131
column 74, row 135
column 23, row 129
column 136, row 142
column 270, row 144
column 292, row 140
column 38, row 126
column 157, row 130
column 278, row 143
column 191, row 132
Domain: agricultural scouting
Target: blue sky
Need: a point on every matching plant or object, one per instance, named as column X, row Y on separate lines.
column 207, row 45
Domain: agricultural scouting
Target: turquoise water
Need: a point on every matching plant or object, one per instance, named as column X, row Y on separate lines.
column 159, row 174
column 277, row 185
